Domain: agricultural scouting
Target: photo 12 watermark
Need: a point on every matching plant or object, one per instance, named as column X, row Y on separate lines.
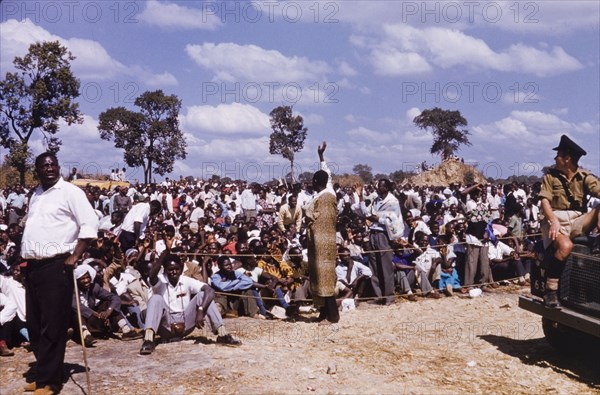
column 469, row 12
column 454, row 333
column 112, row 92
column 271, row 11
column 518, row 92
column 271, row 92
column 71, row 11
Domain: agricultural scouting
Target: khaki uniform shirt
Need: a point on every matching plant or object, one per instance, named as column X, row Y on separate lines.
column 553, row 190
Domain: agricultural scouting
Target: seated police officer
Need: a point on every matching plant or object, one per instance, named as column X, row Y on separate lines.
column 564, row 203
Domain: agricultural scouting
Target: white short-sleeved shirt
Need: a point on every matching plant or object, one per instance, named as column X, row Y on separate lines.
column 57, row 218
column 140, row 212
column 177, row 297
column 499, row 250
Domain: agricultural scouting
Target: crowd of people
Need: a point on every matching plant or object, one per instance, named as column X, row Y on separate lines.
column 171, row 256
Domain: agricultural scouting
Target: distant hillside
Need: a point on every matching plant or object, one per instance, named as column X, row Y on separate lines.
column 450, row 171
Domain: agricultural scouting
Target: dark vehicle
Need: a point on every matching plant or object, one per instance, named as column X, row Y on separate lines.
column 577, row 323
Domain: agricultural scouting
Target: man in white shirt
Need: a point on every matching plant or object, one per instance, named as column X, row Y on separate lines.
column 289, row 214
column 60, row 225
column 135, row 222
column 352, row 276
column 477, row 213
column 15, row 202
column 248, row 201
column 172, row 312
column 506, row 263
column 386, row 223
column 494, row 200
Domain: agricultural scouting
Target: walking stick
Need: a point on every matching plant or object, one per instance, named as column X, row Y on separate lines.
column 87, row 370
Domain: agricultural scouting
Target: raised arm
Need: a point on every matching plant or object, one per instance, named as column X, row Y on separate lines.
column 323, row 165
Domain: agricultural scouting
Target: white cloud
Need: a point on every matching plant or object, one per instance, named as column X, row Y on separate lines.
column 234, row 62
column 346, row 69
column 390, row 61
column 92, row 61
column 160, row 80
column 232, row 118
column 447, row 48
column 411, row 113
column 561, row 111
column 173, row 16
column 78, row 141
column 531, row 129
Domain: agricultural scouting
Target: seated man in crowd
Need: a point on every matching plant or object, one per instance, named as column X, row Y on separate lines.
column 172, row 310
column 424, row 261
column 100, row 310
column 232, row 281
column 13, row 331
column 351, row 276
column 506, row 263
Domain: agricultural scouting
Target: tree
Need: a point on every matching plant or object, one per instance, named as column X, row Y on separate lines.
column 305, row 176
column 288, row 134
column 444, row 126
column 365, row 172
column 37, row 95
column 399, row 176
column 150, row 138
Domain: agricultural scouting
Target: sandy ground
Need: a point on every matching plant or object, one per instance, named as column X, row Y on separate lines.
column 451, row 345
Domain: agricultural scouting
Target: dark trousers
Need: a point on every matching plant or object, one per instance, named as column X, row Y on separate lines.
column 244, row 304
column 381, row 265
column 49, row 293
column 10, row 332
column 510, row 269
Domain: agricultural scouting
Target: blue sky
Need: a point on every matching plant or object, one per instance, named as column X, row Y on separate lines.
column 521, row 73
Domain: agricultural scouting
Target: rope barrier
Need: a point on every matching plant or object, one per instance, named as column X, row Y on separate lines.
column 437, row 246
column 405, row 295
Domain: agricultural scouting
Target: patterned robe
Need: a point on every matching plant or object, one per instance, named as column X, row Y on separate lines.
column 321, row 215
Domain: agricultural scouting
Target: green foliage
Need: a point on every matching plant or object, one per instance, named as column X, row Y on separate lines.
column 444, row 126
column 469, row 177
column 288, row 134
column 399, row 176
column 305, row 177
column 37, row 95
column 150, row 138
column 365, row 172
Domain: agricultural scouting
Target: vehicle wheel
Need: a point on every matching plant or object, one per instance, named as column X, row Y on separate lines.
column 561, row 337
column 568, row 340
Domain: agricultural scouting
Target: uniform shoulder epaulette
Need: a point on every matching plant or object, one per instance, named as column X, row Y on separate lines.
column 554, row 172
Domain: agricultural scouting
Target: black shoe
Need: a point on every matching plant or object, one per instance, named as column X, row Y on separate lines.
column 228, row 340
column 551, row 300
column 291, row 311
column 147, row 347
column 133, row 334
column 89, row 341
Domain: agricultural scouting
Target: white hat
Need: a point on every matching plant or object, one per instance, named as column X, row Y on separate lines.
column 447, row 191
column 278, row 312
column 254, row 233
column 416, row 213
column 83, row 269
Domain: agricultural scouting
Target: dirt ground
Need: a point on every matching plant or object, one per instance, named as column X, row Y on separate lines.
column 452, row 345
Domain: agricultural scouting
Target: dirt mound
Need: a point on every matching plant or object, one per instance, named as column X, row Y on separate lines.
column 450, row 171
